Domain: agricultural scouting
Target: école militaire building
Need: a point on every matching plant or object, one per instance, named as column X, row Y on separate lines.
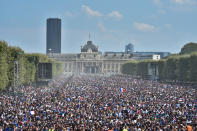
column 91, row 61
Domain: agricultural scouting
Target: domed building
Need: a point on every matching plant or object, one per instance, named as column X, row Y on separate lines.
column 92, row 61
column 89, row 47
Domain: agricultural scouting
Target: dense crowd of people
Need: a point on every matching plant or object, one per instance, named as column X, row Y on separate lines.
column 114, row 103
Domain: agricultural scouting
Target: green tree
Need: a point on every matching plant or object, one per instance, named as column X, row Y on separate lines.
column 16, row 54
column 193, row 68
column 183, row 67
column 142, row 69
column 189, row 48
column 129, row 68
column 3, row 65
column 161, row 69
column 30, row 72
column 171, row 68
column 3, row 72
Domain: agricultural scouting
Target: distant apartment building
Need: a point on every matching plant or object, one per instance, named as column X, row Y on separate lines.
column 162, row 54
column 53, row 36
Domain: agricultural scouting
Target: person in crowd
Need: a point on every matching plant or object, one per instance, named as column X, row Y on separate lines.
column 114, row 103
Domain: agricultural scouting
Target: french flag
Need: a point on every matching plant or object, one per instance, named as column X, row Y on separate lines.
column 135, row 81
column 122, row 90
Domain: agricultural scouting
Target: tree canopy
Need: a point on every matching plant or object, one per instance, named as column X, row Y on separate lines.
column 189, row 48
column 27, row 65
column 179, row 67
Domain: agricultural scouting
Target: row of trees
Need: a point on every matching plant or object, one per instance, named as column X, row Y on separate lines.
column 27, row 65
column 180, row 67
column 136, row 68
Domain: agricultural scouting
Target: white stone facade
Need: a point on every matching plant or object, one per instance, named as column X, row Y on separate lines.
column 90, row 61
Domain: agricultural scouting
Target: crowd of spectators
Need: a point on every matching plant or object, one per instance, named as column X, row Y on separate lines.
column 91, row 103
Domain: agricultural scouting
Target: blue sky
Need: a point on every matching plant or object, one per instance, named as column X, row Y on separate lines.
column 151, row 25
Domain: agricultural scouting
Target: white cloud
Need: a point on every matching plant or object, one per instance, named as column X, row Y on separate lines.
column 144, row 27
column 183, row 5
column 157, row 2
column 91, row 12
column 181, row 2
column 116, row 15
column 102, row 27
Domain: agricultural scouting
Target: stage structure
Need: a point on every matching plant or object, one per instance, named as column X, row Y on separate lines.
column 45, row 71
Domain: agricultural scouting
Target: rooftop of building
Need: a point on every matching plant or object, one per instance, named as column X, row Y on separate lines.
column 89, row 46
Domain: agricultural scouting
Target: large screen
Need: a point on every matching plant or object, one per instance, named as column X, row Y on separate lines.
column 45, row 70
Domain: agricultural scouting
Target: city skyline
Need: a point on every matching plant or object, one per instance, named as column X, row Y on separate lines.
column 152, row 25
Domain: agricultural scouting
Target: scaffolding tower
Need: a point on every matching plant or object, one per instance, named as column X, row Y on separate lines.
column 16, row 74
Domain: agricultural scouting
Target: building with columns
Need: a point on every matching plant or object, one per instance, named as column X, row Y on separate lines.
column 91, row 61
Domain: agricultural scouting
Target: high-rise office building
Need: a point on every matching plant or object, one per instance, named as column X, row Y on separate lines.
column 53, row 40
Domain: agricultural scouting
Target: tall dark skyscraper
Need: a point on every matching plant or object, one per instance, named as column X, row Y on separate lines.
column 53, row 40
